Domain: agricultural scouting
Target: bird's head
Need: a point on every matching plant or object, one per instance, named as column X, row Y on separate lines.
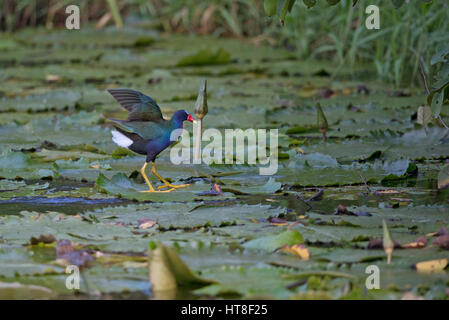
column 182, row 115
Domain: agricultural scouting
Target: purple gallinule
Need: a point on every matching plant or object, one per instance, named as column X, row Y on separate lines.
column 145, row 131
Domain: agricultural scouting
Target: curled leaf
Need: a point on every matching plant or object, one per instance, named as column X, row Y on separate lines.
column 168, row 271
column 299, row 250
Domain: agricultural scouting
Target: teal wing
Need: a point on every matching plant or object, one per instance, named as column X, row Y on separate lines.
column 145, row 130
column 140, row 106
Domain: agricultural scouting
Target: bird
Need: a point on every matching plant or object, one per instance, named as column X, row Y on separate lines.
column 145, row 131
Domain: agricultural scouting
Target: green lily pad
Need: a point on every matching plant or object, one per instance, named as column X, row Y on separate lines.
column 271, row 243
column 206, row 57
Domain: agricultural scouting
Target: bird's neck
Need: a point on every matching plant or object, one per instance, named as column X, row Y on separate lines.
column 175, row 123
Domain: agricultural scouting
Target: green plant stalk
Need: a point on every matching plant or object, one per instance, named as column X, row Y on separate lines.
column 322, row 122
column 115, row 13
column 197, row 154
column 201, row 110
column 388, row 242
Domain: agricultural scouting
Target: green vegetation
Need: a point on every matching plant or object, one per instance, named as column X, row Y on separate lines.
column 410, row 34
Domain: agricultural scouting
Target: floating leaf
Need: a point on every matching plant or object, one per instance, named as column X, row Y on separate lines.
column 271, row 243
column 13, row 161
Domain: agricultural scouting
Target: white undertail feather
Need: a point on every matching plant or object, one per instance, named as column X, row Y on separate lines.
column 121, row 139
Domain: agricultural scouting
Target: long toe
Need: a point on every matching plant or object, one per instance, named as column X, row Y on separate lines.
column 175, row 186
column 158, row 191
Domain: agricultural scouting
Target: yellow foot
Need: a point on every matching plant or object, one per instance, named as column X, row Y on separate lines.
column 158, row 191
column 174, row 186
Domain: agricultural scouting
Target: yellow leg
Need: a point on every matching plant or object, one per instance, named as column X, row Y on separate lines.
column 167, row 184
column 150, row 187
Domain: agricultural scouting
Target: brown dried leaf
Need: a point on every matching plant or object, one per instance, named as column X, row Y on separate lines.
column 442, row 241
column 431, row 265
column 299, row 250
column 146, row 223
column 419, row 243
column 386, row 191
column 377, row 243
column 441, row 232
column 215, row 190
column 278, row 222
column 65, row 251
column 43, row 238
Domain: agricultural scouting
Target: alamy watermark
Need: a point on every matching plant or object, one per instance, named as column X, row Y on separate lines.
column 73, row 20
column 373, row 280
column 373, row 20
column 237, row 146
column 72, row 282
